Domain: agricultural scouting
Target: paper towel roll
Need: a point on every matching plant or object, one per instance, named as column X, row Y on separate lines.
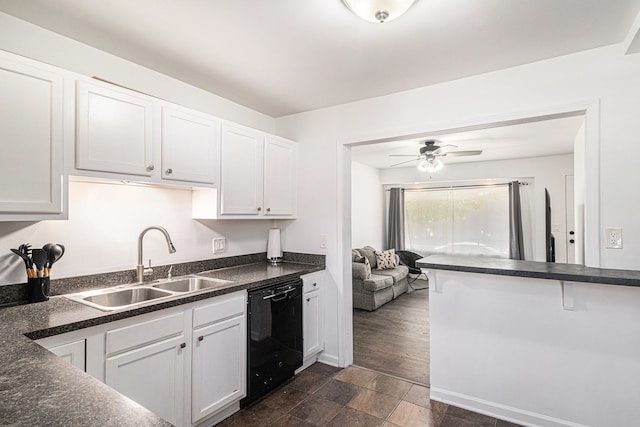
column 273, row 244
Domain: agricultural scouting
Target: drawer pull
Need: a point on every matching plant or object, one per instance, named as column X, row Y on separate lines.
column 308, row 299
column 183, row 345
column 200, row 338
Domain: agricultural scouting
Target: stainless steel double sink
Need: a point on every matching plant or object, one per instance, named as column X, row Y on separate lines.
column 129, row 296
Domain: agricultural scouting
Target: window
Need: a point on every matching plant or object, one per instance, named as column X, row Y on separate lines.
column 469, row 221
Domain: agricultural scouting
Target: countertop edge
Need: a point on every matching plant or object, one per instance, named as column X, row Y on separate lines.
column 532, row 269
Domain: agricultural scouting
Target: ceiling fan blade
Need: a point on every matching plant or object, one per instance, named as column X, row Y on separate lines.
column 402, row 155
column 462, row 153
column 440, row 149
column 402, row 163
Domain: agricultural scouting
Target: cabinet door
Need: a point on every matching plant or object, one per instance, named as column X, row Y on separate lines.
column 218, row 366
column 280, row 171
column 31, row 139
column 73, row 352
column 240, row 171
column 114, row 130
column 312, row 323
column 188, row 146
column 153, row 376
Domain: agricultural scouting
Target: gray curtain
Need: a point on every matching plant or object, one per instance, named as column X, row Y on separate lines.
column 395, row 238
column 516, row 246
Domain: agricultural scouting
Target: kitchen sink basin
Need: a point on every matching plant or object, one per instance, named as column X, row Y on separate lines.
column 129, row 296
column 115, row 299
column 191, row 284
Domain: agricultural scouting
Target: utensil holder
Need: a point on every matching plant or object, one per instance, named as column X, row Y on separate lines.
column 38, row 289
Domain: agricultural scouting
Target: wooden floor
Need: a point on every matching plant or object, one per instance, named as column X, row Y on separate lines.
column 394, row 339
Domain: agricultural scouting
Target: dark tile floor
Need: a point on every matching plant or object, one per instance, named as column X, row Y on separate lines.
column 326, row 396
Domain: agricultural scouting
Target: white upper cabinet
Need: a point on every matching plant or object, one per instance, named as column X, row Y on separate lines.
column 241, row 152
column 114, row 131
column 257, row 177
column 280, row 183
column 189, row 143
column 31, row 140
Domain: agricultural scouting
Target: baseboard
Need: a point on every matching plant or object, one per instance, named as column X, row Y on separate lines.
column 496, row 410
column 329, row 359
column 222, row 414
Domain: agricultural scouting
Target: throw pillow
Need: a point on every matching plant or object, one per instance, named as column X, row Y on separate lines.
column 355, row 256
column 369, row 253
column 386, row 259
column 367, row 267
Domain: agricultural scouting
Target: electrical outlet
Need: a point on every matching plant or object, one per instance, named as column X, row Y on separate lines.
column 613, row 238
column 323, row 241
column 219, row 245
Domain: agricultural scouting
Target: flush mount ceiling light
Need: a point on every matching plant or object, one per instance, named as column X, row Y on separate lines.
column 378, row 10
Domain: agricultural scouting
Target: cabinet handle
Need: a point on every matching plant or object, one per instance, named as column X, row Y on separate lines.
column 572, row 241
column 183, row 345
column 308, row 299
column 200, row 338
column 259, row 209
column 268, row 209
column 150, row 168
column 169, row 171
column 315, row 284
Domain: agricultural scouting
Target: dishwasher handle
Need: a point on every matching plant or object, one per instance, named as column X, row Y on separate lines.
column 279, row 294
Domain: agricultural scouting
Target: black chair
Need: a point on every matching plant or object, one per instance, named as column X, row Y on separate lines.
column 409, row 259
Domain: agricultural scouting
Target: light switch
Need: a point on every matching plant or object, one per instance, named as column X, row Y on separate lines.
column 219, row 245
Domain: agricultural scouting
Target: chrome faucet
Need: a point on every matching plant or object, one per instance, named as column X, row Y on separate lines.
column 140, row 267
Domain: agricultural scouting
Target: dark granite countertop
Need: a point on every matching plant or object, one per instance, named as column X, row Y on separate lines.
column 38, row 388
column 533, row 269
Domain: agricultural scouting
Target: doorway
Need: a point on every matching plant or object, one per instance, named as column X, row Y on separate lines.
column 365, row 353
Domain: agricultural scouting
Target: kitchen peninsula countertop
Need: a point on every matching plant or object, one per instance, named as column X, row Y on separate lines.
column 532, row 269
column 38, row 388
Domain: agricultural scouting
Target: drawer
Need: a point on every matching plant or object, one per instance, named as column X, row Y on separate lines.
column 222, row 307
column 312, row 282
column 144, row 332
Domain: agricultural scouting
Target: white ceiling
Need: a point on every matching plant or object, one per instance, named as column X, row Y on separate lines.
column 534, row 139
column 286, row 56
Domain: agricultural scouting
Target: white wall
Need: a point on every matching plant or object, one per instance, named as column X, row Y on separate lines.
column 101, row 234
column 602, row 76
column 23, row 38
column 367, row 207
column 544, row 172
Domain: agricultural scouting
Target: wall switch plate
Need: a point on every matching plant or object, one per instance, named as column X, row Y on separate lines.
column 323, row 241
column 613, row 237
column 219, row 245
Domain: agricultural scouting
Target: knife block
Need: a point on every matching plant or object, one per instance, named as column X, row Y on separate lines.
column 38, row 289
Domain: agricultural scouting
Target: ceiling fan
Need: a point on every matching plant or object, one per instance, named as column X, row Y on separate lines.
column 430, row 153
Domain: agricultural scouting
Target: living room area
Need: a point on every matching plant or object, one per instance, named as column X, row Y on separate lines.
column 407, row 204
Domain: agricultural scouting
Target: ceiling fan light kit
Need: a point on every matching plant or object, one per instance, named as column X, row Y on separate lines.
column 378, row 11
column 429, row 153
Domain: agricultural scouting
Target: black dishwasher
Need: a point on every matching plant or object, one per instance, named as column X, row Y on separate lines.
column 274, row 337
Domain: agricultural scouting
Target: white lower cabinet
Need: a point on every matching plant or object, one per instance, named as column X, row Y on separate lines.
column 185, row 364
column 153, row 376
column 312, row 316
column 216, row 385
column 73, row 353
